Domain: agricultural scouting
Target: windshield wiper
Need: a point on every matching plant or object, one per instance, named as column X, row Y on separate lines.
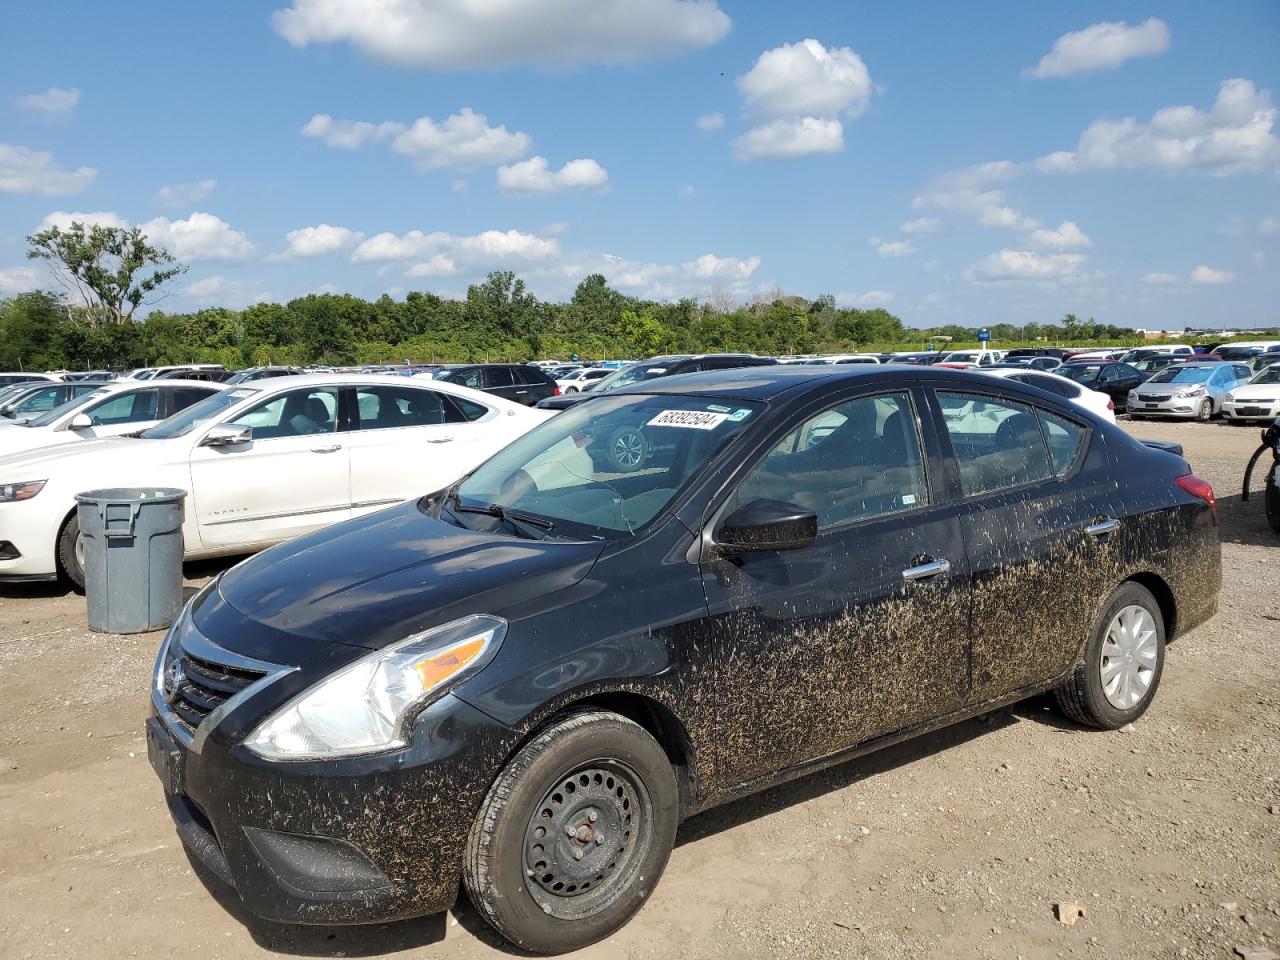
column 535, row 528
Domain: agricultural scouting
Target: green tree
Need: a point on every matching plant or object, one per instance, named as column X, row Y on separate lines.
column 111, row 270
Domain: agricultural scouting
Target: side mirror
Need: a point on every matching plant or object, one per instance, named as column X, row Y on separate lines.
column 763, row 525
column 227, row 435
column 81, row 421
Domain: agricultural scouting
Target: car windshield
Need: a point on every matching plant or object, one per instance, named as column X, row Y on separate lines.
column 1154, row 363
column 637, row 373
column 1080, row 372
column 60, row 411
column 244, row 375
column 1183, row 375
column 606, row 468
column 1269, row 374
column 180, row 424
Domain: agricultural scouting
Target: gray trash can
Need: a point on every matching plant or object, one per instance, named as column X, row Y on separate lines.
column 132, row 543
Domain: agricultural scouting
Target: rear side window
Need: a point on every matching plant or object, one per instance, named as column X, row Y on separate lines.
column 1065, row 438
column 469, row 410
column 183, row 397
column 532, row 375
column 856, row 460
column 1053, row 384
column 997, row 443
column 498, row 377
column 388, row 407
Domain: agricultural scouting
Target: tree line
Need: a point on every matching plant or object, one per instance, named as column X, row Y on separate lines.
column 107, row 273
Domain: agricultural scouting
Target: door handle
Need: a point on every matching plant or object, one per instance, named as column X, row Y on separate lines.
column 439, row 439
column 1103, row 527
column 926, row 570
column 332, row 448
column 521, row 393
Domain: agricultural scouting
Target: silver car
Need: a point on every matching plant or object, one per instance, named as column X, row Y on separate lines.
column 1193, row 390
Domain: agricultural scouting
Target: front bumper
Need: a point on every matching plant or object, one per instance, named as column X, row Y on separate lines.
column 355, row 840
column 1262, row 410
column 1170, row 407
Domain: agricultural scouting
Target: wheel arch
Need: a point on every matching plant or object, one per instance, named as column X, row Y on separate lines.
column 1159, row 588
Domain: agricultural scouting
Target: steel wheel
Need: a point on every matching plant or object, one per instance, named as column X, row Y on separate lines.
column 586, row 839
column 1129, row 657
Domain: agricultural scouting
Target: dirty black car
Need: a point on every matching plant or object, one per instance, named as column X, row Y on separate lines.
column 523, row 683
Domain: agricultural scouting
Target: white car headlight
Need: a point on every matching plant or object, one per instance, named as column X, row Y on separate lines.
column 367, row 706
column 14, row 492
column 1192, row 392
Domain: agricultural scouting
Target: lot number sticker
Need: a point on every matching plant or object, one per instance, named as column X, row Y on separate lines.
column 689, row 419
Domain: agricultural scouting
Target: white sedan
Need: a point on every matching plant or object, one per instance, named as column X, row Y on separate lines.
column 583, row 379
column 1091, row 400
column 110, row 410
column 262, row 462
column 1259, row 399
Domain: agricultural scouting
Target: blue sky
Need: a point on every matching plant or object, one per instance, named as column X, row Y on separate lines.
column 1001, row 162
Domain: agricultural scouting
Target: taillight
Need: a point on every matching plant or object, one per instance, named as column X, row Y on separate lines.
column 1200, row 489
column 555, row 391
column 1111, row 405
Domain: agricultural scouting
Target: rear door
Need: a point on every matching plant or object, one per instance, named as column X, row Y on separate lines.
column 406, row 441
column 500, row 381
column 1033, row 484
column 864, row 632
column 537, row 385
column 291, row 478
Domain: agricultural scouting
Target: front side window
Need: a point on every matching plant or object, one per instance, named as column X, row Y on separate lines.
column 298, row 413
column 384, row 408
column 997, row 443
column 857, row 460
column 133, row 407
column 40, row 401
column 605, row 469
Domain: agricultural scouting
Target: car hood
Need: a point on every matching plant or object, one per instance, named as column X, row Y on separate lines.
column 32, row 438
column 128, row 450
column 377, row 579
column 1256, row 391
column 566, row 400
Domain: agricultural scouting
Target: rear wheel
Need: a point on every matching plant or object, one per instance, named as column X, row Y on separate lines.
column 573, row 834
column 71, row 552
column 1204, row 412
column 1117, row 677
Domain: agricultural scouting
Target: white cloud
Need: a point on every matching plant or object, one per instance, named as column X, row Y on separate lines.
column 688, row 190
column 790, row 137
column 1235, row 136
column 1208, row 275
column 533, row 177
column 462, row 140
column 18, row 280
column 54, row 102
column 185, row 194
column 872, row 298
column 201, row 236
column 1067, row 236
column 971, row 191
column 463, row 34
column 441, row 253
column 710, row 267
column 1160, row 279
column 23, row 170
column 1268, row 225
column 1009, row 264
column 892, row 248
column 806, row 79
column 922, row 225
column 319, row 240
column 233, row 294
column 460, row 186
column 1103, row 46
column 63, row 220
column 349, row 134
column 709, row 121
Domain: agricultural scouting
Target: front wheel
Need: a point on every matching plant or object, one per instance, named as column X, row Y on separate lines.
column 1205, row 411
column 1115, row 681
column 1273, row 499
column 574, row 833
column 71, row 552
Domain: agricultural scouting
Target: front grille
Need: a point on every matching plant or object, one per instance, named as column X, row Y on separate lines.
column 205, row 686
column 1154, row 397
column 1253, row 411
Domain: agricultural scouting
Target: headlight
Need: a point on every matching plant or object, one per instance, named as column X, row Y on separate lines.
column 367, row 706
column 13, row 492
column 1192, row 392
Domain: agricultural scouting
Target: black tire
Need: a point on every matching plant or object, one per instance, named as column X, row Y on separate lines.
column 1083, row 697
column 68, row 557
column 1204, row 412
column 1272, row 499
column 603, row 877
column 626, row 450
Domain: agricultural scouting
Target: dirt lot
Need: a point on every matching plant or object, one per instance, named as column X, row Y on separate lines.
column 955, row 845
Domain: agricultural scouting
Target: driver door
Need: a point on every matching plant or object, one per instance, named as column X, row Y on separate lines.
column 819, row 649
column 292, row 477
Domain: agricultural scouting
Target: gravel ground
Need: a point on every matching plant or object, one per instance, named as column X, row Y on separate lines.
column 959, row 844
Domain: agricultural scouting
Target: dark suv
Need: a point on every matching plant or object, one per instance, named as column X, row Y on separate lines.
column 654, row 367
column 518, row 382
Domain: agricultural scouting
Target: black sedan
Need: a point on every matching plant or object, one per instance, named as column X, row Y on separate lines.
column 525, row 681
column 1113, row 379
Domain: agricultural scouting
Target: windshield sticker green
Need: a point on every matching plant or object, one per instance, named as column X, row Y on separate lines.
column 688, row 419
column 739, row 415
